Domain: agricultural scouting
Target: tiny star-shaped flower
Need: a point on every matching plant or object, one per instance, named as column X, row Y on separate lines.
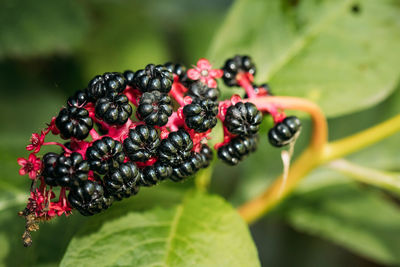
column 36, row 142
column 205, row 73
column 29, row 166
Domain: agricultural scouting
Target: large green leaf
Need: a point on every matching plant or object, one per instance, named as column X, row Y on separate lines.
column 340, row 54
column 360, row 220
column 30, row 29
column 202, row 231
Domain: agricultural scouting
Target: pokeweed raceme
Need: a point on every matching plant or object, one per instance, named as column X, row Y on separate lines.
column 138, row 128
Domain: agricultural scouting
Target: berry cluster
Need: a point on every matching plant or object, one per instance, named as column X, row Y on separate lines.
column 137, row 128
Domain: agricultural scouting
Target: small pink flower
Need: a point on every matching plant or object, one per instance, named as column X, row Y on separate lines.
column 29, row 166
column 36, row 142
column 204, row 72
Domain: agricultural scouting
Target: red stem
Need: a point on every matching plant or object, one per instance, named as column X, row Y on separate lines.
column 57, row 144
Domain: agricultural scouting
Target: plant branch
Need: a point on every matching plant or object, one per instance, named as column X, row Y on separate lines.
column 386, row 180
column 360, row 140
column 257, row 207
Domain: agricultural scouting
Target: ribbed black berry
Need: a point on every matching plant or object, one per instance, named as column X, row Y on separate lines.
column 284, row 132
column 79, row 99
column 100, row 85
column 154, row 108
column 74, row 122
column 89, row 198
column 123, row 181
column 175, row 149
column 71, row 170
column 177, row 69
column 237, row 149
column 201, row 115
column 104, row 155
column 235, row 65
column 142, row 143
column 155, row 173
column 187, row 168
column 154, row 78
column 243, row 119
column 207, row 155
column 49, row 161
column 114, row 108
column 129, row 77
column 202, row 91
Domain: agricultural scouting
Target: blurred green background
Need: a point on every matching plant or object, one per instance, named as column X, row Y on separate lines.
column 49, row 49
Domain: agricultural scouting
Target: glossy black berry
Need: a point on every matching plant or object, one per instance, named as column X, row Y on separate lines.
column 104, row 155
column 207, row 155
column 71, row 170
column 74, row 122
column 154, row 108
column 177, row 69
column 243, row 119
column 129, row 76
column 237, row 149
column 201, row 115
column 142, row 143
column 202, row 91
column 49, row 162
column 154, row 78
column 175, row 149
column 123, row 181
column 89, row 198
column 155, row 173
column 284, row 132
column 187, row 168
column 79, row 99
column 114, row 108
column 100, row 85
column 235, row 65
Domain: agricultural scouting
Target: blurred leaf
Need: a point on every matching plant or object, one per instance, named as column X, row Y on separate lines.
column 123, row 38
column 337, row 53
column 30, row 29
column 359, row 220
column 202, row 231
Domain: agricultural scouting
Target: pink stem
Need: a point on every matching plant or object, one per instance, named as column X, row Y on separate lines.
column 94, row 134
column 58, row 144
column 244, row 81
column 177, row 93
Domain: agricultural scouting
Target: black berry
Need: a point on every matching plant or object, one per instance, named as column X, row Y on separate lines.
column 176, row 148
column 154, row 78
column 142, row 143
column 153, row 174
column 202, row 91
column 104, row 155
column 177, row 69
column 187, row 168
column 243, row 119
column 284, row 132
column 114, row 108
column 100, row 85
column 201, row 115
column 74, row 122
column 89, row 198
column 235, row 65
column 49, row 162
column 79, row 99
column 154, row 108
column 123, row 182
column 71, row 170
column 129, row 76
column 207, row 155
column 237, row 149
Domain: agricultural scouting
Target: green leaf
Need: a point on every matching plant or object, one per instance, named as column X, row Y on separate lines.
column 321, row 50
column 30, row 29
column 202, row 231
column 360, row 220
